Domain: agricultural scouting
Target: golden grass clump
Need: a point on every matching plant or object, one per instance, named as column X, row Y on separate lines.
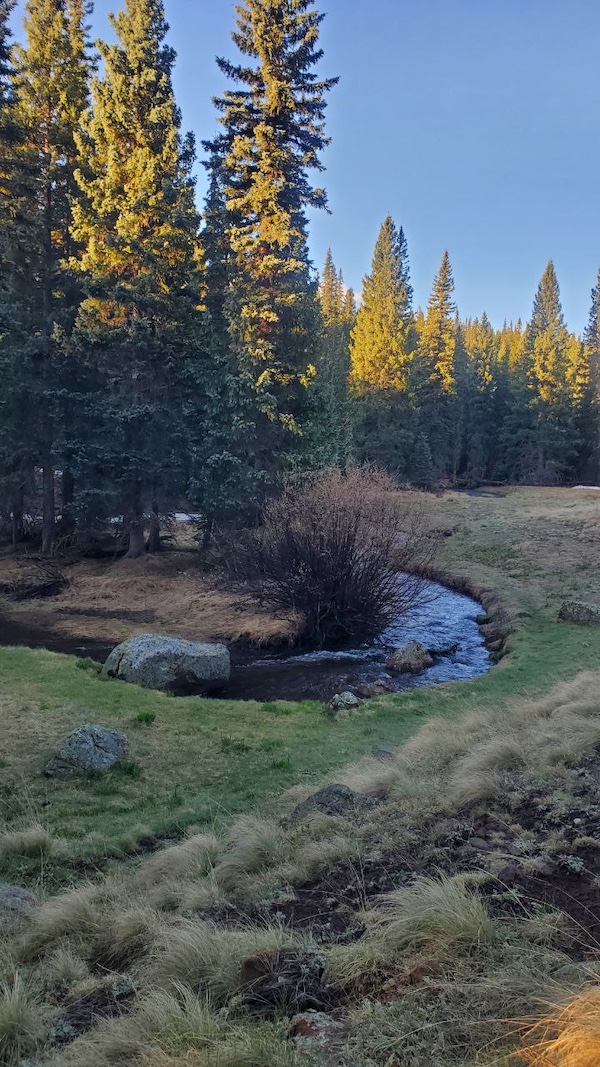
column 570, row 1038
column 176, row 1029
column 207, row 960
column 442, row 917
column 99, row 922
column 191, row 859
column 23, row 1022
column 453, row 762
column 252, row 845
column 33, row 841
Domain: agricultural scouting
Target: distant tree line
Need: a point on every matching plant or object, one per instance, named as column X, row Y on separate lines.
column 440, row 400
column 154, row 355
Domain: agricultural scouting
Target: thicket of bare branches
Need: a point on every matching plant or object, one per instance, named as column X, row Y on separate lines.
column 336, row 548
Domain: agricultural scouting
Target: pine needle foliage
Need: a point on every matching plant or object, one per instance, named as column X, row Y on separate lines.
column 137, row 226
column 272, row 135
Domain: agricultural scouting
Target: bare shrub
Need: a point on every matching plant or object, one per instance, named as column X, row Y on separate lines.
column 344, row 551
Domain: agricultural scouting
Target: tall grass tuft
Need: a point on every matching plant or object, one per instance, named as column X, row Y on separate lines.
column 23, row 1022
column 569, row 1038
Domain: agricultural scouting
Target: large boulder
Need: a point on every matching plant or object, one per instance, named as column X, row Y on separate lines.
column 15, row 902
column 578, row 612
column 87, row 749
column 169, row 664
column 410, row 659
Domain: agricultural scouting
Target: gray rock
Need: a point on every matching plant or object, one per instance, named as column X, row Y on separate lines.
column 315, row 1027
column 169, row 664
column 366, row 690
column 579, row 612
column 343, row 701
column 89, row 748
column 332, row 800
column 411, row 658
column 15, row 902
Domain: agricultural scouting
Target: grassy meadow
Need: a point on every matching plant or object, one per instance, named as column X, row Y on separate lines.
column 424, row 971
column 200, row 762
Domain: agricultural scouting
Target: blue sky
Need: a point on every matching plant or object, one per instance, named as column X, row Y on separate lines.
column 472, row 122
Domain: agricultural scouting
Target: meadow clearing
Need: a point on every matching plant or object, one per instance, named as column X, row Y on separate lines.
column 430, row 927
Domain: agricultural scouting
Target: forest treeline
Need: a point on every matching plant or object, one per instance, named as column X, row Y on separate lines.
column 154, row 354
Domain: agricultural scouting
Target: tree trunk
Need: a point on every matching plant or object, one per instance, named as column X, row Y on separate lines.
column 67, row 522
column 48, row 508
column 17, row 520
column 154, row 535
column 137, row 546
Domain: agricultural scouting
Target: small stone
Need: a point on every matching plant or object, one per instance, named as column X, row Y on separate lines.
column 480, row 844
column 87, row 749
column 315, row 1026
column 581, row 613
column 386, row 755
column 344, row 701
column 410, row 659
column 333, row 800
column 482, row 619
column 15, row 902
column 375, row 688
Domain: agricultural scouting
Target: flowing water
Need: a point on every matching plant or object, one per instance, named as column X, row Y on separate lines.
column 444, row 622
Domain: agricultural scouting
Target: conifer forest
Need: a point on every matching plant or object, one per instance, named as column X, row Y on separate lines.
column 158, row 352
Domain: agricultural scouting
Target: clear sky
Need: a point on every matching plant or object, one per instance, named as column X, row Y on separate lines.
column 474, row 123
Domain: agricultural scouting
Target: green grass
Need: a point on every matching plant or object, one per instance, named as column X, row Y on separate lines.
column 198, row 762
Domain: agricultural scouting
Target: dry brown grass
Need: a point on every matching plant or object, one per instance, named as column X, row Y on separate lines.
column 568, row 1037
column 463, row 760
column 442, row 918
column 34, row 841
column 108, row 601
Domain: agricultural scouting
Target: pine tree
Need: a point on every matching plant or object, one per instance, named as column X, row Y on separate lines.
column 383, row 338
column 138, row 229
column 330, row 422
column 434, row 371
column 55, row 66
column 546, row 361
column 218, row 483
column 481, row 428
column 18, row 320
column 590, row 459
column 272, row 133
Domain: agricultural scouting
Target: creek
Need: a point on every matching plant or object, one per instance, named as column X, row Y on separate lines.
column 443, row 622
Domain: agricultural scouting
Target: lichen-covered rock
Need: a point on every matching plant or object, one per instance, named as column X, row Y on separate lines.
column 344, row 701
column 410, row 659
column 316, row 1028
column 169, row 664
column 15, row 902
column 332, row 800
column 579, row 612
column 87, row 749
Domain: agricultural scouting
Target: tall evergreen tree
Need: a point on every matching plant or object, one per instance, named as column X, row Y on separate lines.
column 331, row 417
column 138, row 228
column 547, row 363
column 383, row 338
column 55, row 66
column 481, row 427
column 272, row 133
column 18, row 268
column 434, row 371
column 590, row 460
